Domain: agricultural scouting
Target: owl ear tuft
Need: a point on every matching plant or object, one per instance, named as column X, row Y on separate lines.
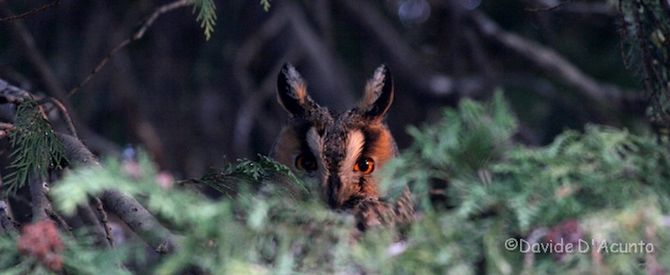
column 292, row 91
column 378, row 94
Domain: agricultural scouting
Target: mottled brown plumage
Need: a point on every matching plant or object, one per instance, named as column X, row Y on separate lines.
column 342, row 152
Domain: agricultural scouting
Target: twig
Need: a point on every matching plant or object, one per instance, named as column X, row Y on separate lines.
column 86, row 214
column 104, row 221
column 572, row 6
column 58, row 219
column 30, row 12
column 136, row 36
column 588, row 8
column 66, row 115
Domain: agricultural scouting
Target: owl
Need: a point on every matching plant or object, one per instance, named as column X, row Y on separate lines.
column 342, row 152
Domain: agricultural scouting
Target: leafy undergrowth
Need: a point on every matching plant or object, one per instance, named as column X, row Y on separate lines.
column 603, row 192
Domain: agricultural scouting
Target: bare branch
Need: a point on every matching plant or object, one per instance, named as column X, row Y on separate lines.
column 136, row 36
column 138, row 218
column 330, row 69
column 575, row 7
column 86, row 214
column 30, row 12
column 66, row 115
column 40, row 202
column 58, row 219
column 104, row 221
column 550, row 61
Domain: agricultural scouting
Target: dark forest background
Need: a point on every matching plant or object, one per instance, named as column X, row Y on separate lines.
column 196, row 103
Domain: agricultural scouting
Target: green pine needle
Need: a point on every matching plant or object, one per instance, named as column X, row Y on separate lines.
column 206, row 10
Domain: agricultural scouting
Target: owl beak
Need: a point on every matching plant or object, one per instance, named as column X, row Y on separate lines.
column 338, row 195
column 332, row 192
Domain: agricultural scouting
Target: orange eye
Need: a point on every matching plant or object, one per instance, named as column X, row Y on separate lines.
column 305, row 162
column 365, row 165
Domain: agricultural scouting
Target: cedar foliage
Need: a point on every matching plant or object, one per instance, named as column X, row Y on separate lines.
column 206, row 10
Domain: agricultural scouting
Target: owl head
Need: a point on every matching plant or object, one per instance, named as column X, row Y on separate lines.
column 343, row 152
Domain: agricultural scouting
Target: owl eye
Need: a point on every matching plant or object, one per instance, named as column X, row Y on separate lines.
column 365, row 165
column 305, row 162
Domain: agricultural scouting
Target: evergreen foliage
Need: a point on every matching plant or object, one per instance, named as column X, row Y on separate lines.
column 206, row 10
column 35, row 147
column 604, row 184
column 265, row 4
